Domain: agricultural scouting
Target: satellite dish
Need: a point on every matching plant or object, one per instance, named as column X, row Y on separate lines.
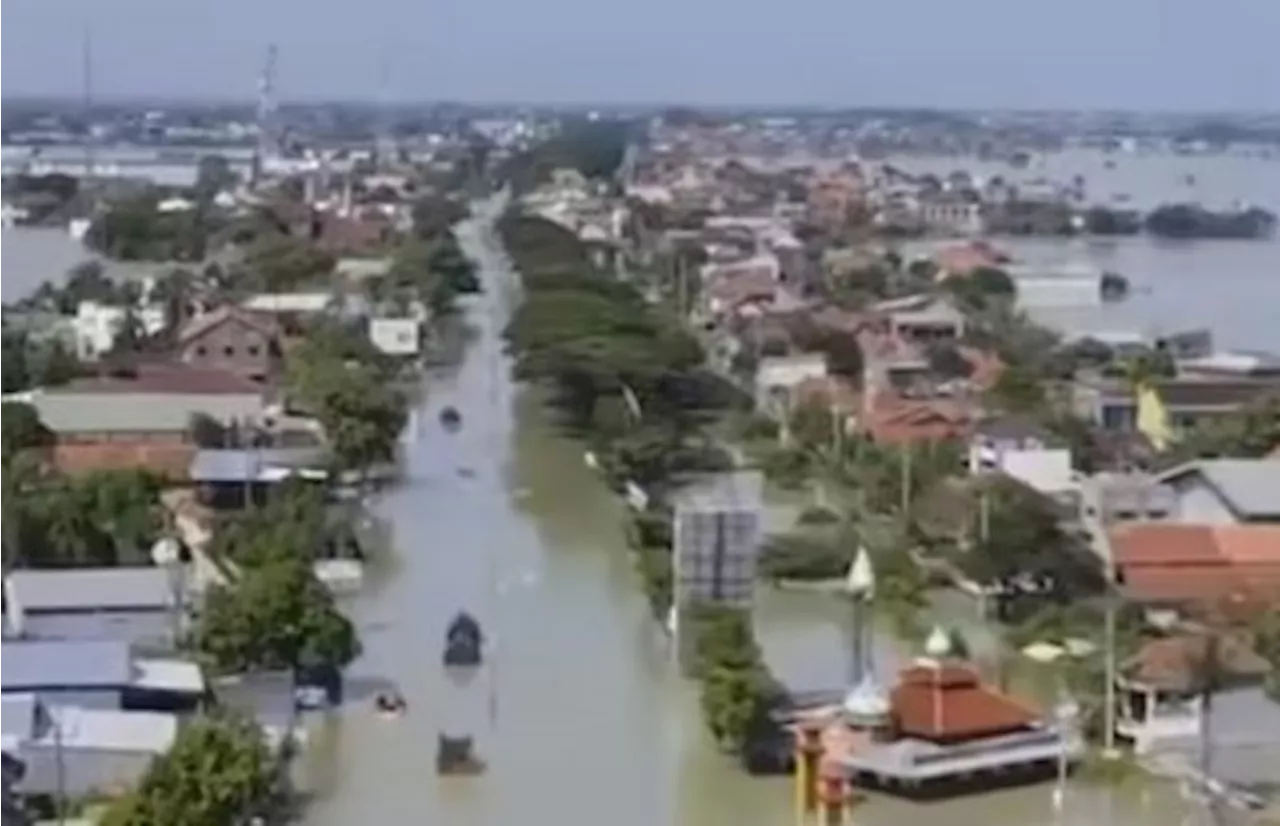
column 166, row 551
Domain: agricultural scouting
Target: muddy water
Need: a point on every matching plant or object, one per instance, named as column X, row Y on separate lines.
column 578, row 713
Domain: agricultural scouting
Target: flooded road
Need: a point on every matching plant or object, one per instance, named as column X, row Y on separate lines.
column 579, row 714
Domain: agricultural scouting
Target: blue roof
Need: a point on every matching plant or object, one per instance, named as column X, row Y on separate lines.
column 65, row 664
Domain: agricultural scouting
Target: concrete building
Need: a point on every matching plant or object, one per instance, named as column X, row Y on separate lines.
column 777, row 378
column 101, row 674
column 718, row 527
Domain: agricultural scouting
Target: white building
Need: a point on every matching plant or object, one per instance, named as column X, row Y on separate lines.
column 396, row 336
column 98, row 325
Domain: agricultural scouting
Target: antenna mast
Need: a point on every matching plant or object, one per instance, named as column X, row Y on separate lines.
column 267, row 146
column 86, row 83
column 384, row 148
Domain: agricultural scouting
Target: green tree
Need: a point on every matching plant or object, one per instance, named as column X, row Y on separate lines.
column 218, row 772
column 733, row 699
column 277, row 615
column 278, row 263
column 23, row 429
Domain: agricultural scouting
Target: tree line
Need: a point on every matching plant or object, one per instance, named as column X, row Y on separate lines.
column 628, row 379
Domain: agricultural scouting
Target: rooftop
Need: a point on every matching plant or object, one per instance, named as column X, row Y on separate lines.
column 32, row 665
column 264, row 323
column 165, row 377
column 1250, row 486
column 946, row 701
column 91, row 588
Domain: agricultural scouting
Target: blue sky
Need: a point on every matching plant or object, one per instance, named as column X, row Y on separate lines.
column 1143, row 54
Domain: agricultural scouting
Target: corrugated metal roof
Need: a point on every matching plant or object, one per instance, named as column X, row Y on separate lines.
column 92, row 588
column 34, row 665
column 18, row 715
column 1250, row 486
column 106, row 730
column 265, row 465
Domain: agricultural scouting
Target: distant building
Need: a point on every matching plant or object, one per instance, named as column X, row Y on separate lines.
column 718, row 526
column 1048, row 287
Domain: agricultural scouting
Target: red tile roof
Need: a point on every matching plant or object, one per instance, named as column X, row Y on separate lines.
column 894, row 420
column 948, row 702
column 1196, row 563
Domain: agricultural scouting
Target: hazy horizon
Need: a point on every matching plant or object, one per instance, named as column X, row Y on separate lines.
column 1140, row 55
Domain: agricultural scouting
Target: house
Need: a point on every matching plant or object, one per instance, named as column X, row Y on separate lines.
column 233, row 339
column 1226, row 491
column 1128, row 496
column 133, row 605
column 154, row 404
column 922, row 318
column 100, row 674
column 777, row 377
column 77, row 752
column 1171, row 565
column 1168, row 408
column 1022, row 450
column 1240, row 364
column 894, row 420
column 1106, row 402
column 1161, row 707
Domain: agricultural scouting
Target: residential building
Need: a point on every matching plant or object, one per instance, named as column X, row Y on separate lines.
column 170, row 460
column 1240, row 364
column 233, row 339
column 922, row 318
column 1226, row 491
column 717, row 530
column 77, row 752
column 154, row 404
column 1023, row 451
column 134, row 605
column 1127, row 496
column 1168, row 408
column 894, row 420
column 1172, row 565
column 100, row 674
column 1162, row 709
column 777, row 377
column 1106, row 402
